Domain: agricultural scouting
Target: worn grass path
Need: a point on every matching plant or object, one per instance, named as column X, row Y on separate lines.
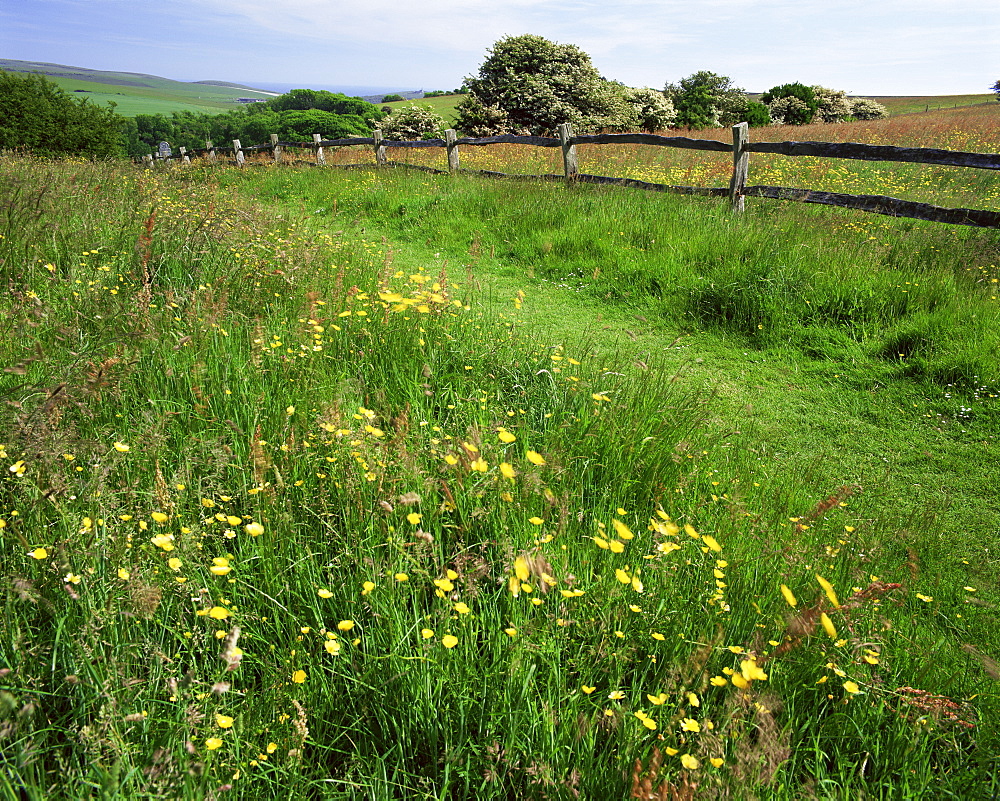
column 799, row 428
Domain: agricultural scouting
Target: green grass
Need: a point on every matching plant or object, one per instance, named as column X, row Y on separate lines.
column 697, row 409
column 916, row 104
column 443, row 105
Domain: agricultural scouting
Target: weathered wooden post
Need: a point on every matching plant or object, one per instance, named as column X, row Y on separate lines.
column 210, row 148
column 275, row 148
column 320, row 158
column 568, row 151
column 379, row 148
column 741, row 166
column 451, row 143
column 238, row 150
column 185, row 158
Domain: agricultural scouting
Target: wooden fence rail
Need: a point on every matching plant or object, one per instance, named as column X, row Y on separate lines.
column 740, row 147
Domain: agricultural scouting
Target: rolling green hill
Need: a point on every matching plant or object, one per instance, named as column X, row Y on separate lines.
column 136, row 93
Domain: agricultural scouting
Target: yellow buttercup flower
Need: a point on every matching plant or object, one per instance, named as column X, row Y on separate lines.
column 828, row 589
column 220, row 566
column 789, row 597
column 449, row 641
column 299, row 677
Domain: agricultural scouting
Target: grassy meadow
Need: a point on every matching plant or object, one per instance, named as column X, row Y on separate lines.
column 323, row 483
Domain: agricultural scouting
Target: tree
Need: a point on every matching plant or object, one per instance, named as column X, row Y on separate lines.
column 707, row 100
column 537, row 85
column 37, row 115
column 789, row 111
column 996, row 88
column 412, row 122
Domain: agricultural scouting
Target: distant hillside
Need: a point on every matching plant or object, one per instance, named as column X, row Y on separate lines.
column 138, row 93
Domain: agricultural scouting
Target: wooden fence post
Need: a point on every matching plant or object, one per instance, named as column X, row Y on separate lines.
column 568, row 151
column 741, row 166
column 275, row 148
column 320, row 158
column 238, row 150
column 451, row 143
column 379, row 148
column 210, row 150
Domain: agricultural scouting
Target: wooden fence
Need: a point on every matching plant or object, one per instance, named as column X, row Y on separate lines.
column 740, row 148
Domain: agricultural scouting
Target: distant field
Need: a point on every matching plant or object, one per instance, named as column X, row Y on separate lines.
column 135, row 93
column 445, row 105
column 921, row 103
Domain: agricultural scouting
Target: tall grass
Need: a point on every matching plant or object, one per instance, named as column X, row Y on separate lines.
column 290, row 511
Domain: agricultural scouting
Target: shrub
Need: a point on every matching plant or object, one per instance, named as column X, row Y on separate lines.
column 790, row 113
column 36, row 114
column 395, row 98
column 413, row 122
column 651, row 110
column 475, row 118
column 834, row 105
column 707, row 100
column 757, row 114
column 863, row 108
column 539, row 85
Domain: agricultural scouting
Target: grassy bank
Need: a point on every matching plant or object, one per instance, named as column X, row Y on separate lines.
column 336, row 484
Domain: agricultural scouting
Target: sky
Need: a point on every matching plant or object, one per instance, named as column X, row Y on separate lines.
column 865, row 47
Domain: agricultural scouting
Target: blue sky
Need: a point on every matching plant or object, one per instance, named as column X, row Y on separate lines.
column 873, row 47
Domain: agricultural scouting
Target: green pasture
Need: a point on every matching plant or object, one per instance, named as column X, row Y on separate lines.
column 917, row 103
column 442, row 105
column 328, row 483
column 136, row 94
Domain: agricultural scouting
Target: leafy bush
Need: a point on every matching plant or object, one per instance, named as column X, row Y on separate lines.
column 394, row 98
column 707, row 100
column 475, row 118
column 413, row 122
column 38, row 115
column 650, row 110
column 834, row 104
column 757, row 114
column 788, row 111
column 539, row 85
column 792, row 113
column 863, row 108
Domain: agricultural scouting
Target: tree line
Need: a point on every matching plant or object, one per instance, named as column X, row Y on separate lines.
column 527, row 84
